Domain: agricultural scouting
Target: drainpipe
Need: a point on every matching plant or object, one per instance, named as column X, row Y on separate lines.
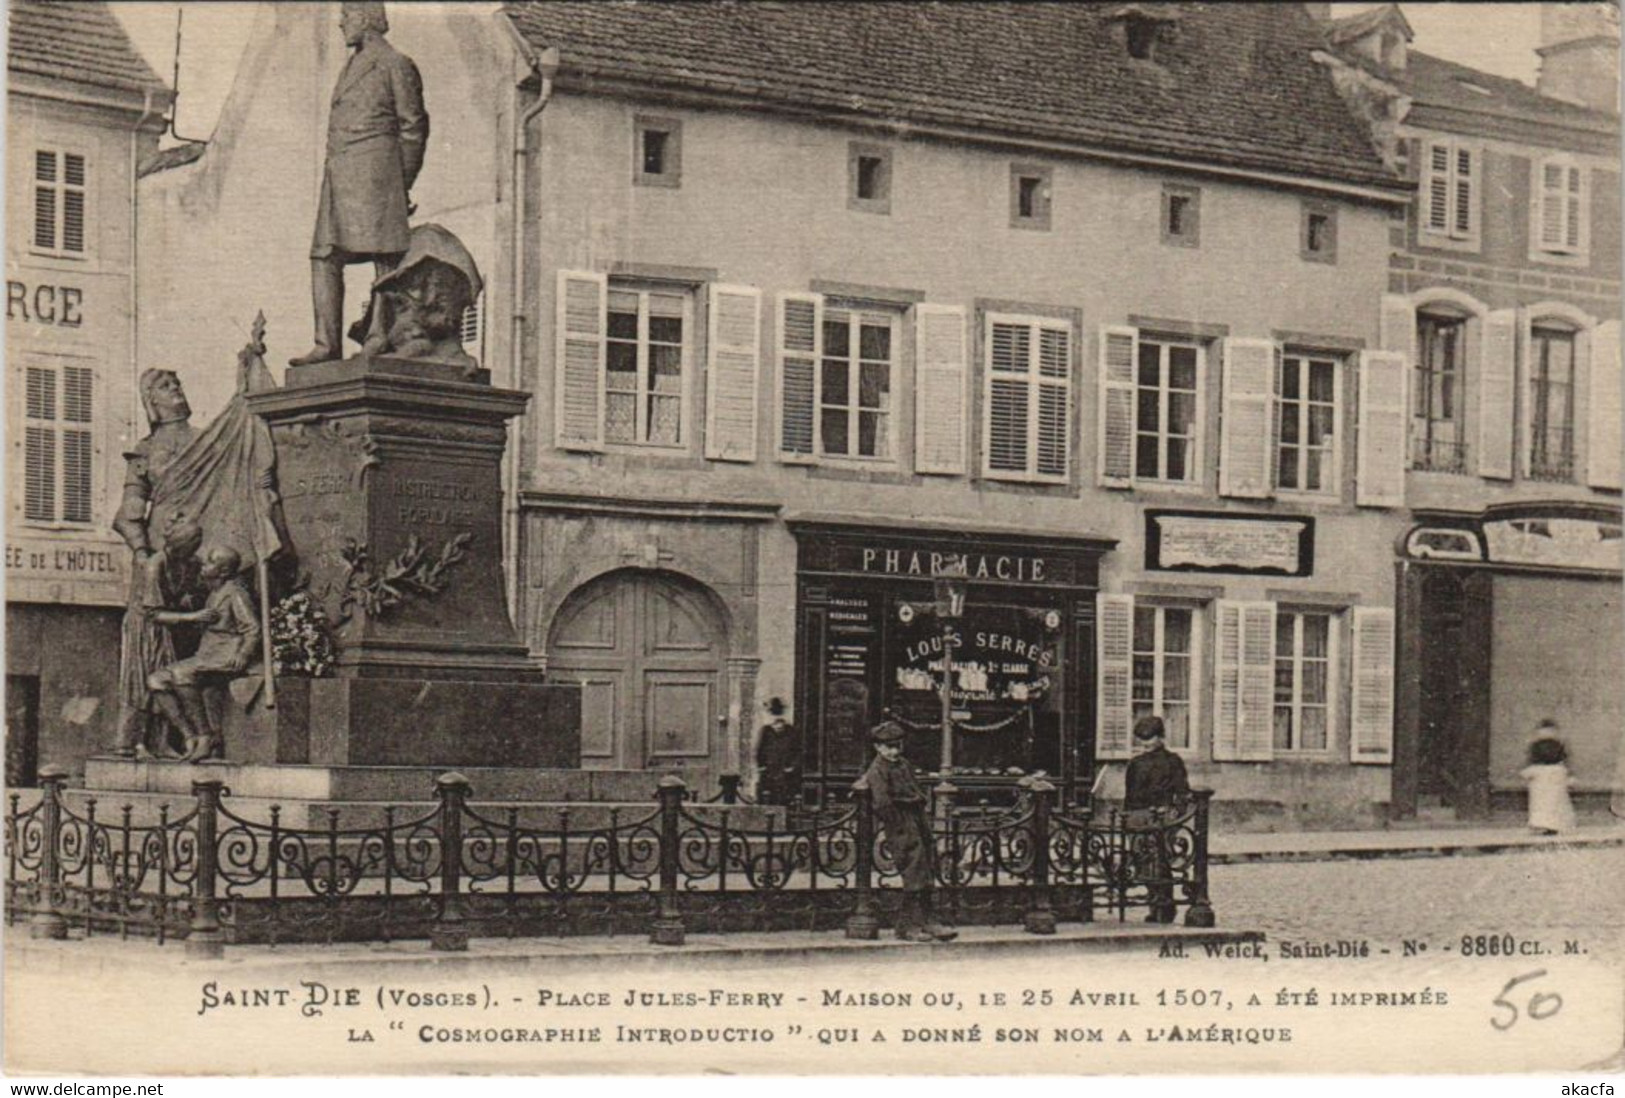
column 133, row 405
column 544, row 65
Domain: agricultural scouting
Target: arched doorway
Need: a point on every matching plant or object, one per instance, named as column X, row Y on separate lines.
column 648, row 649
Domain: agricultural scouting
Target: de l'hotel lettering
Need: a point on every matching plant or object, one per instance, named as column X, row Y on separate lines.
column 1299, row 428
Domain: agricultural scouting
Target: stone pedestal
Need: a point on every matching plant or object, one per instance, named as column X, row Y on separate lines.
column 390, row 475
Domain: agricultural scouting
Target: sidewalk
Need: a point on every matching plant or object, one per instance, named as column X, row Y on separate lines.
column 1444, row 841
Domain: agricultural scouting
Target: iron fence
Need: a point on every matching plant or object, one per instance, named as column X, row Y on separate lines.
column 211, row 876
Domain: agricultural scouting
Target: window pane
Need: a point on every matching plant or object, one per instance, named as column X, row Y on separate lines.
column 665, row 329
column 1182, row 413
column 1150, row 364
column 1290, row 373
column 1177, row 719
column 835, row 382
column 1314, row 730
column 1316, row 635
column 665, row 420
column 1289, row 423
column 1145, row 678
column 1314, row 470
column 874, row 341
column 620, row 417
column 1321, row 381
column 834, row 422
column 666, row 369
column 1182, row 368
column 872, row 440
column 1289, row 467
column 622, row 361
column 1176, row 630
column 1145, row 628
column 1178, row 459
column 623, row 316
column 1285, row 645
column 1314, row 682
column 1283, row 728
column 1176, row 678
column 1145, row 456
column 654, row 152
column 1150, row 410
column 1320, row 425
column 874, row 385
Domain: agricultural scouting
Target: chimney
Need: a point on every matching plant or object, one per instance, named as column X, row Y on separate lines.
column 1579, row 54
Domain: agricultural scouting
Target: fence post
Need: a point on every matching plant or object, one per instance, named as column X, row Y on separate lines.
column 48, row 922
column 205, row 940
column 1086, row 814
column 1040, row 917
column 730, row 788
column 449, row 934
column 863, row 923
column 668, row 925
column 1200, row 913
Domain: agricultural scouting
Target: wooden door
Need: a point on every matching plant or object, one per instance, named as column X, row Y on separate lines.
column 648, row 653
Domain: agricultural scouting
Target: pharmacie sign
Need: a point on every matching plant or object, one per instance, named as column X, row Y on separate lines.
column 882, row 559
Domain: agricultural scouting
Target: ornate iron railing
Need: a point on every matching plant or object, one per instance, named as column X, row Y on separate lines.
column 210, row 875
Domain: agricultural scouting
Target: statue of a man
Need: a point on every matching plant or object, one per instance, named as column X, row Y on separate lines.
column 376, row 135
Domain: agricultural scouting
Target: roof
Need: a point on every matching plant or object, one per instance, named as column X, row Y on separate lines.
column 1234, row 85
column 1360, row 24
column 1434, row 82
column 78, row 41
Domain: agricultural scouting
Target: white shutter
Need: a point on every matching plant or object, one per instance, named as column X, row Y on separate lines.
column 1052, row 429
column 801, row 345
column 578, row 365
column 732, row 373
column 1114, row 679
column 1119, row 354
column 1462, row 163
column 1380, row 464
column 940, row 378
column 1497, row 384
column 1246, row 458
column 1436, row 189
column 1603, row 408
column 1524, row 443
column 1371, row 737
column 1244, row 686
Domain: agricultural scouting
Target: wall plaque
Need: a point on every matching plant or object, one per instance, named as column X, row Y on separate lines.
column 1228, row 541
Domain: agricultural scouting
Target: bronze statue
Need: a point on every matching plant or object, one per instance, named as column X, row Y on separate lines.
column 376, row 135
column 189, row 487
column 231, row 640
column 417, row 309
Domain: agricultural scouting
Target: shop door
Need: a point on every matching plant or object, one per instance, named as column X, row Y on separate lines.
column 1453, row 732
column 648, row 652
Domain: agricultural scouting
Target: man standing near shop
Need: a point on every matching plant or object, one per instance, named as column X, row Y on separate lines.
column 1156, row 779
column 376, row 133
column 899, row 804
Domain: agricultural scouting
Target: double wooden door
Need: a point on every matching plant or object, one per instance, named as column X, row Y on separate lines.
column 648, row 652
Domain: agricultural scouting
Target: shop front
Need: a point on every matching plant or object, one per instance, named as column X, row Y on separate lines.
column 988, row 635
column 1509, row 617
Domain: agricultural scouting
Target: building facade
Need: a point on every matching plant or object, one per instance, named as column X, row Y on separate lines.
column 82, row 110
column 1504, row 293
column 806, row 333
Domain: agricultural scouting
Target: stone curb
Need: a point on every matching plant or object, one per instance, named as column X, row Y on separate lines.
column 1431, row 847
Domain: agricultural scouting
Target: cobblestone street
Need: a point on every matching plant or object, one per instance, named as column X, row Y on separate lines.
column 1552, row 892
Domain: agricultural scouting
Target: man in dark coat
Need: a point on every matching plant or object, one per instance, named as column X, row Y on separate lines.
column 899, row 804
column 1156, row 780
column 376, row 135
column 778, row 759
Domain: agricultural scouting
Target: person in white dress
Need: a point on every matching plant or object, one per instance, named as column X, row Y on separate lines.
column 1547, row 775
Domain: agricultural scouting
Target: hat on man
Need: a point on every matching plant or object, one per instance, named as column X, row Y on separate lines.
column 888, row 732
column 776, row 707
column 1148, row 728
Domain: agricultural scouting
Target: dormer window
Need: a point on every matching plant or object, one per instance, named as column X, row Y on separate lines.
column 1393, row 51
column 1142, row 36
column 1145, row 29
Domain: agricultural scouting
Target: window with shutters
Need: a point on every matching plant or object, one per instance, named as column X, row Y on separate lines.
column 1027, row 417
column 1164, row 654
column 1449, row 194
column 1304, row 664
column 1438, row 437
column 60, row 203
column 1559, row 225
column 1309, row 420
column 1551, row 404
column 855, row 383
column 58, row 443
column 1168, row 405
column 646, row 353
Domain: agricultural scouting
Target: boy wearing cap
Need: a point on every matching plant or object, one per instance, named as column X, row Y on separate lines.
column 1156, row 779
column 899, row 805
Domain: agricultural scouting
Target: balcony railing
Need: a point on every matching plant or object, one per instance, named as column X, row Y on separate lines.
column 1437, row 455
